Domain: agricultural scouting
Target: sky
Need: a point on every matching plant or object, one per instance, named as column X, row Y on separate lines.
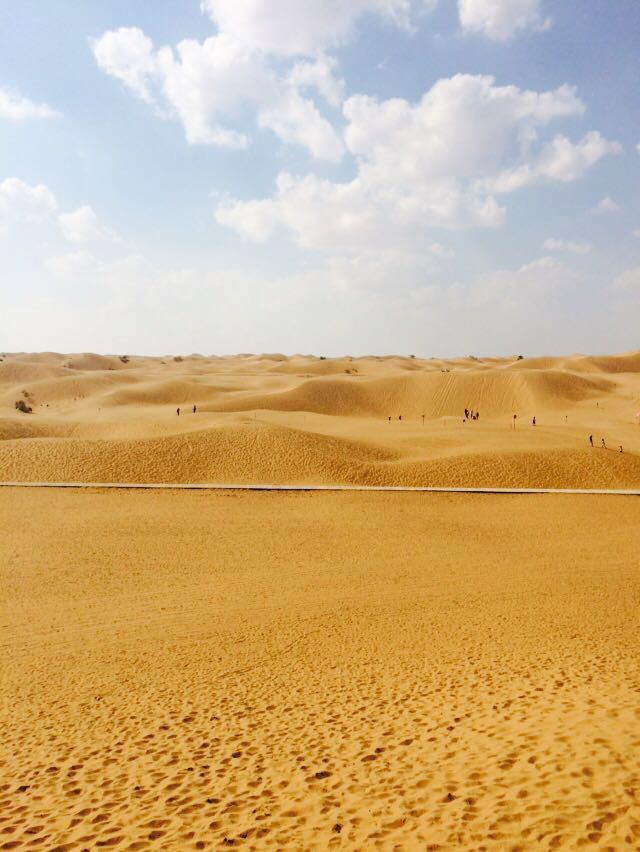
column 428, row 177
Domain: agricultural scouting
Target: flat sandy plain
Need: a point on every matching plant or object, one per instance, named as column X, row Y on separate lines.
column 202, row 670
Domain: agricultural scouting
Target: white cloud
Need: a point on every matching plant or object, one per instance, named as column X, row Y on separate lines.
column 500, row 20
column 21, row 202
column 605, row 205
column 294, row 28
column 628, row 280
column 297, row 120
column 208, row 84
column 319, row 75
column 420, row 166
column 270, row 58
column 127, row 55
column 26, row 205
column 553, row 244
column 15, row 107
column 636, row 232
column 561, row 160
column 82, row 226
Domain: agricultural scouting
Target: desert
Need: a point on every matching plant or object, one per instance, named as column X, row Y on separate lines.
column 305, row 419
column 312, row 670
column 319, row 425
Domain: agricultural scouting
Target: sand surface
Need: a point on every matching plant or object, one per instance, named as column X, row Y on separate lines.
column 188, row 670
column 302, row 419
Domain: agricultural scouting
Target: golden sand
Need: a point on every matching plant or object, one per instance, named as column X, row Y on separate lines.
column 197, row 670
column 193, row 670
column 303, row 419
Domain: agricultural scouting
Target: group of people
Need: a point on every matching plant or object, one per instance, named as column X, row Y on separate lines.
column 469, row 415
column 603, row 444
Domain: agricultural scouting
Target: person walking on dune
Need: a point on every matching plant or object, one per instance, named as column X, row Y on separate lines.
column 178, row 411
column 591, row 439
column 533, row 422
column 194, row 409
column 604, row 446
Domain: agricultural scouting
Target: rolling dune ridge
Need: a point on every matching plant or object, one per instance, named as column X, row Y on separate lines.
column 302, row 419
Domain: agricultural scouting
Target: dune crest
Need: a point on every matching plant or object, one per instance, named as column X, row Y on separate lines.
column 362, row 420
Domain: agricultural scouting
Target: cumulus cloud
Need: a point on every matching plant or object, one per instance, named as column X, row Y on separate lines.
column 27, row 205
column 127, row 55
column 319, row 74
column 291, row 28
column 15, row 107
column 82, row 226
column 559, row 160
column 433, row 164
column 270, row 58
column 297, row 120
column 605, row 205
column 500, row 20
column 553, row 244
column 21, row 202
column 208, row 84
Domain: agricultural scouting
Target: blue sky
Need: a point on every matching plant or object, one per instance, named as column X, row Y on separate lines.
column 336, row 176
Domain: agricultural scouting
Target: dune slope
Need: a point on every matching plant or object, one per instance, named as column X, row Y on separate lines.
column 270, row 418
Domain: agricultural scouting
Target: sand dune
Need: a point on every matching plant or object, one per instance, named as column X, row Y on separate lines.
column 306, row 419
column 434, row 394
column 190, row 671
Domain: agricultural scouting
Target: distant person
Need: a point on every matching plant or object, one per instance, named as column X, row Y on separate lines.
column 389, row 419
column 533, row 422
column 400, row 417
column 178, row 412
column 620, row 447
column 603, row 443
column 477, row 415
column 591, row 439
column 466, row 413
column 194, row 409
